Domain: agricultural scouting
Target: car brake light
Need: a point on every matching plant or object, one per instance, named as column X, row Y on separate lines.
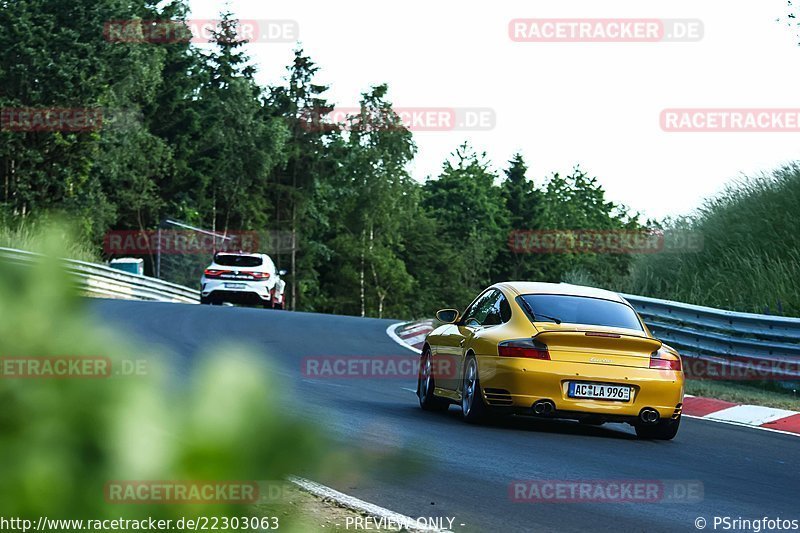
column 213, row 273
column 527, row 348
column 665, row 361
column 259, row 275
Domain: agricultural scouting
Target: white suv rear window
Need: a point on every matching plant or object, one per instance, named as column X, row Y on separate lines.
column 233, row 260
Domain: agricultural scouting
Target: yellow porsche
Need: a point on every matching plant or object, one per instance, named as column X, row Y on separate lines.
column 552, row 350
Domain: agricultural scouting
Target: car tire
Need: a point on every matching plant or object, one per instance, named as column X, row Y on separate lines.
column 270, row 302
column 205, row 300
column 662, row 430
column 426, row 383
column 472, row 407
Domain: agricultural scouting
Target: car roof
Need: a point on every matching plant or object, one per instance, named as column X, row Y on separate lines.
column 251, row 254
column 535, row 287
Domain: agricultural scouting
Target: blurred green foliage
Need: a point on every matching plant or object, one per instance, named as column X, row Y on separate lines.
column 63, row 440
column 25, row 234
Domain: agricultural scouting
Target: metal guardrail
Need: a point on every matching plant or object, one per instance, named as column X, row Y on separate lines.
column 734, row 342
column 105, row 282
column 727, row 338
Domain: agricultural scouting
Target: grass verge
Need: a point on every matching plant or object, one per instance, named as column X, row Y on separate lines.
column 27, row 237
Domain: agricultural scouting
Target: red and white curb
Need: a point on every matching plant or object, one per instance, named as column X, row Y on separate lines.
column 755, row 416
column 412, row 336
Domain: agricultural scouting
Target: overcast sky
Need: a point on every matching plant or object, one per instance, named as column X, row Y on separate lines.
column 560, row 104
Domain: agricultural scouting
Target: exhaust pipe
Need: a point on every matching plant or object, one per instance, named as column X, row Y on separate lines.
column 544, row 407
column 649, row 416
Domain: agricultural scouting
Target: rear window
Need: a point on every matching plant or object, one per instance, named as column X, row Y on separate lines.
column 580, row 310
column 232, row 260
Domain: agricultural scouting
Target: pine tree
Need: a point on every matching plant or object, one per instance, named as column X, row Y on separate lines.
column 301, row 106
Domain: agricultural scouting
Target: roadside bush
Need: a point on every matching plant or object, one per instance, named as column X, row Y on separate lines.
column 750, row 259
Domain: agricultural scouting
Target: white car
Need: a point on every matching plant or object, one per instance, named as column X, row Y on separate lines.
column 243, row 278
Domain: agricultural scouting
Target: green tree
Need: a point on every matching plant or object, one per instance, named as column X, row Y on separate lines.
column 299, row 182
column 175, row 115
column 376, row 203
column 577, row 202
column 241, row 143
column 525, row 205
column 472, row 222
column 56, row 56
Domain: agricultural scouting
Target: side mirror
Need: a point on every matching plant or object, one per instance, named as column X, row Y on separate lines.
column 282, row 272
column 448, row 316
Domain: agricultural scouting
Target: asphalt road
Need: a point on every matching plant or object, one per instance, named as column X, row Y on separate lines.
column 465, row 471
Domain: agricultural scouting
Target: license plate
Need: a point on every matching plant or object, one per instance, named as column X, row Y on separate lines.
column 599, row 391
column 235, row 285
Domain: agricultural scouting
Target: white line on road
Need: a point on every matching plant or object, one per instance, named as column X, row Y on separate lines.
column 321, row 382
column 420, row 327
column 351, row 502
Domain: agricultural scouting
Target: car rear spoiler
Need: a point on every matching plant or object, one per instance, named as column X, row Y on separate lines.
column 587, row 339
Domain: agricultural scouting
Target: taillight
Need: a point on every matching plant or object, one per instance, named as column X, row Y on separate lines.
column 527, row 348
column 258, row 275
column 213, row 273
column 665, row 361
